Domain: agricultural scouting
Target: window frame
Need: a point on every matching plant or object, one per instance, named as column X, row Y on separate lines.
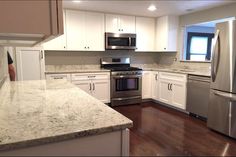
column 210, row 36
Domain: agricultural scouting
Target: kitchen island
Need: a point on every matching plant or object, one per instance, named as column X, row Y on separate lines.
column 57, row 118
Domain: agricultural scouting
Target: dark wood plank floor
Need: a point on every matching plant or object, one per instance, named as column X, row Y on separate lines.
column 159, row 130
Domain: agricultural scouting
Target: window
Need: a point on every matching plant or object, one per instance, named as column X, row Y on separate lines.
column 199, row 46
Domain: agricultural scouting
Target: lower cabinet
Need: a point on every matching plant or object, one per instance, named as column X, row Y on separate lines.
column 165, row 92
column 169, row 88
column 173, row 89
column 155, row 85
column 147, row 85
column 95, row 84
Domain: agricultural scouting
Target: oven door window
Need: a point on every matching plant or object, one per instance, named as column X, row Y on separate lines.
column 127, row 84
column 114, row 41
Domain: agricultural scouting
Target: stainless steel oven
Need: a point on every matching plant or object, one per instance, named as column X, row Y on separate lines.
column 126, row 81
column 126, row 88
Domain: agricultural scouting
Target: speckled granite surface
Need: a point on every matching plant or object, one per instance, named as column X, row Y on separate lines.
column 201, row 71
column 52, row 69
column 38, row 112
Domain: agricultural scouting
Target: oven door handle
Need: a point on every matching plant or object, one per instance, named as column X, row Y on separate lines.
column 128, row 76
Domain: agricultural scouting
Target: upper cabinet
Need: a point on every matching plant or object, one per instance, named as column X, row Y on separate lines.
column 120, row 23
column 166, row 33
column 26, row 23
column 85, row 30
column 58, row 43
column 145, row 31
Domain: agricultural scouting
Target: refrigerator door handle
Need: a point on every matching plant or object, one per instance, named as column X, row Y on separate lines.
column 231, row 97
column 214, row 65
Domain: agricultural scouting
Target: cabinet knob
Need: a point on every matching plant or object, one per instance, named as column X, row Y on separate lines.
column 88, row 47
column 64, row 47
column 164, row 48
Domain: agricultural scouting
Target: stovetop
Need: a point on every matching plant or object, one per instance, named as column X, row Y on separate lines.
column 123, row 68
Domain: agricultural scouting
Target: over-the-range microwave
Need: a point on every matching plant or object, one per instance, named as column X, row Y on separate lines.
column 120, row 41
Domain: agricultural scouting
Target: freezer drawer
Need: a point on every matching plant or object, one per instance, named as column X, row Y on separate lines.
column 198, row 89
column 222, row 113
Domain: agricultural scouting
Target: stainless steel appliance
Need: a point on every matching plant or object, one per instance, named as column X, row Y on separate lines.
column 126, row 81
column 198, row 88
column 222, row 105
column 120, row 41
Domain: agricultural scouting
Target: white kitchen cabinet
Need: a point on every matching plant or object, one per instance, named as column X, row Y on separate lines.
column 58, row 43
column 147, row 85
column 166, row 33
column 95, row 84
column 155, row 85
column 172, row 89
column 84, row 85
column 58, row 77
column 145, row 31
column 101, row 90
column 120, row 23
column 30, row 63
column 179, row 94
column 165, row 93
column 85, row 31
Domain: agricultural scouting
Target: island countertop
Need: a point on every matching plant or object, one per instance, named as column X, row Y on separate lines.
column 39, row 112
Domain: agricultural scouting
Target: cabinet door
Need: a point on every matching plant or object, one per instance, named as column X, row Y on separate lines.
column 179, row 94
column 95, row 31
column 166, row 33
column 162, row 33
column 75, row 30
column 101, row 90
column 59, row 43
column 146, row 85
column 164, row 91
column 127, row 24
column 30, row 63
column 84, row 85
column 155, row 86
column 112, row 22
column 145, row 31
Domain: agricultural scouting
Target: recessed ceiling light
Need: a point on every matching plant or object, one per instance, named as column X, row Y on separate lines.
column 76, row 1
column 152, row 8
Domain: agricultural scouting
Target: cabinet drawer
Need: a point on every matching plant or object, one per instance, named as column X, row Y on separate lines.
column 86, row 76
column 173, row 76
column 58, row 77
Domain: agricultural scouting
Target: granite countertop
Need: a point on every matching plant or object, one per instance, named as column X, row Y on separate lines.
column 58, row 69
column 39, row 112
column 181, row 71
column 77, row 71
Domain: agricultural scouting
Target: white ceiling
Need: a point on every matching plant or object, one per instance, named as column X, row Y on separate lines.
column 139, row 8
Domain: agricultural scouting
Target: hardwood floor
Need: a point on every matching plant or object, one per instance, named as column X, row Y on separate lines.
column 162, row 131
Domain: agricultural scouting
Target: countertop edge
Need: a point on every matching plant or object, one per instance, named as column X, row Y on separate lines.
column 69, row 72
column 61, row 138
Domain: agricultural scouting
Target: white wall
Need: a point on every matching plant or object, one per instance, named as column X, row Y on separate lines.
column 200, row 17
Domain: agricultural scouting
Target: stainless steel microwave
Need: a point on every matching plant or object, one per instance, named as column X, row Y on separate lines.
column 120, row 41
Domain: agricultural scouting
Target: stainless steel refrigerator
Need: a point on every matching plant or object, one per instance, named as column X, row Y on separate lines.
column 222, row 103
